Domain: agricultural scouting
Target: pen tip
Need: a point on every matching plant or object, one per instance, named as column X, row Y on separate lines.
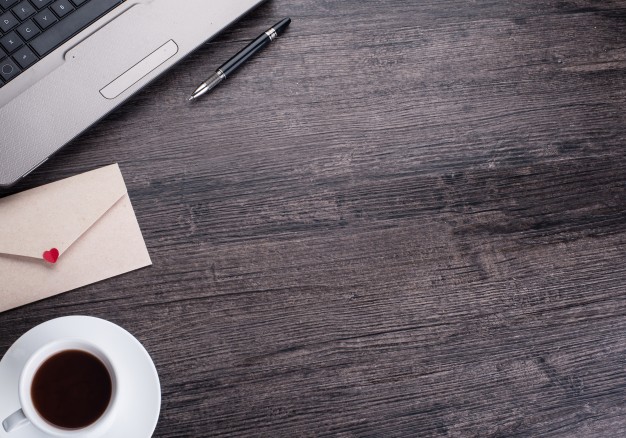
column 282, row 25
column 190, row 98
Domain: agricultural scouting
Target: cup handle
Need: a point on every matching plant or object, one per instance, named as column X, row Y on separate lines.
column 14, row 421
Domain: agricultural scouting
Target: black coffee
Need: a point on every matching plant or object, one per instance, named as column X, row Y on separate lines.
column 71, row 389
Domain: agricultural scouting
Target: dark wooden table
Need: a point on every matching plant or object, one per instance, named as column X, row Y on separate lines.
column 402, row 219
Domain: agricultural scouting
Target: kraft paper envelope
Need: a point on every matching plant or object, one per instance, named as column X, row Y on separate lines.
column 88, row 219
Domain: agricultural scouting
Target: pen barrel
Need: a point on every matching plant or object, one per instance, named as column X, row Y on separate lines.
column 250, row 50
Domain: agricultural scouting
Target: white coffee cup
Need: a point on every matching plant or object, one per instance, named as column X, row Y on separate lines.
column 28, row 413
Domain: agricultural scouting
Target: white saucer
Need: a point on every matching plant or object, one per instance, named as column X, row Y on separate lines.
column 140, row 407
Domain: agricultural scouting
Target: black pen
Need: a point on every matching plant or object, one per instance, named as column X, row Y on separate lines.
column 236, row 61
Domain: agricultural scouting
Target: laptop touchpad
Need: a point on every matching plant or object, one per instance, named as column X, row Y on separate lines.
column 140, row 70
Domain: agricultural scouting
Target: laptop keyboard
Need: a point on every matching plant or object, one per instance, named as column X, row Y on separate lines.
column 30, row 29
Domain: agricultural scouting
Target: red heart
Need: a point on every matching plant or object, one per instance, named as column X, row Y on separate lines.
column 51, row 256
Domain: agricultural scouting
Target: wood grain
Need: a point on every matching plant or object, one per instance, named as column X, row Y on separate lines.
column 402, row 219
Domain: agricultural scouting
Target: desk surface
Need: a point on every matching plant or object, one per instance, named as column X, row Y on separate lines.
column 402, row 219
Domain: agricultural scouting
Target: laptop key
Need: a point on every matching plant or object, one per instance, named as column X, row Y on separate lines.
column 9, row 69
column 2, row 54
column 28, row 30
column 45, row 18
column 69, row 26
column 24, row 10
column 62, row 8
column 25, row 57
column 11, row 42
column 6, row 4
column 8, row 21
column 40, row 4
column 78, row 2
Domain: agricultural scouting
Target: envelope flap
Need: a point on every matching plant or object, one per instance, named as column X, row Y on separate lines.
column 55, row 215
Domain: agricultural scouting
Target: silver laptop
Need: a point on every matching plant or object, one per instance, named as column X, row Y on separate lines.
column 64, row 64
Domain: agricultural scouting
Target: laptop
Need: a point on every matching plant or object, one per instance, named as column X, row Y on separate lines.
column 65, row 64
